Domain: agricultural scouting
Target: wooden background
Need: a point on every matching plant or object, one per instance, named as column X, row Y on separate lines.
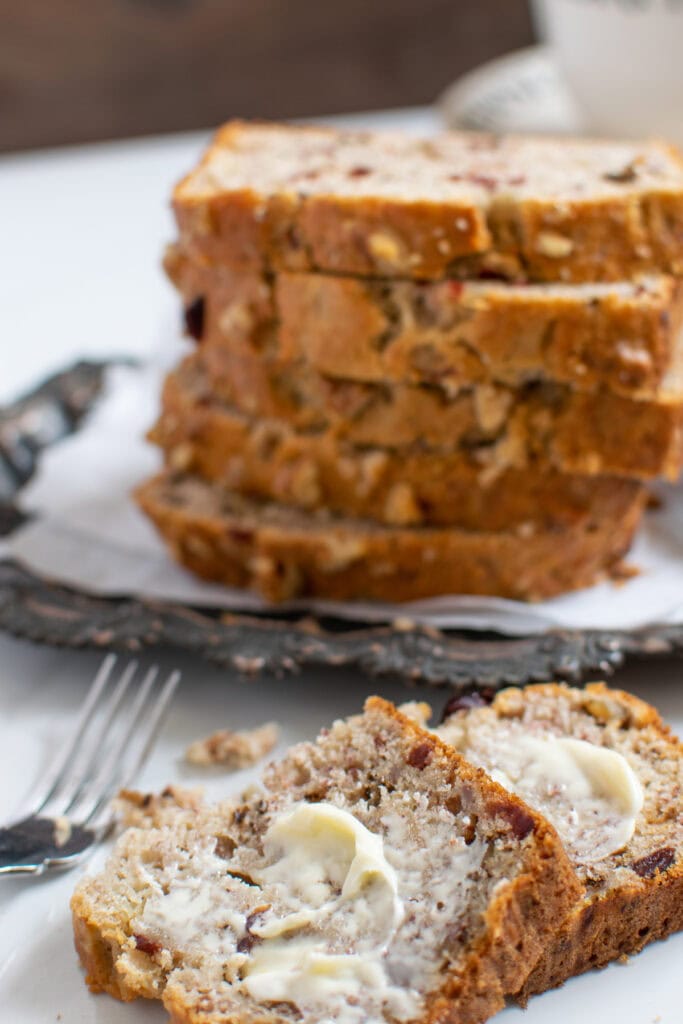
column 76, row 70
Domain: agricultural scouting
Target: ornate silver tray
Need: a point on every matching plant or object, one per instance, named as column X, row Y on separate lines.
column 45, row 611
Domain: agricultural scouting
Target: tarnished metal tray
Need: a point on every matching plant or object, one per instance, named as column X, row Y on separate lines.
column 45, row 611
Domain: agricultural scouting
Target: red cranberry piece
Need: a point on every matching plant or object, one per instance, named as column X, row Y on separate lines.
column 623, row 176
column 146, row 945
column 520, row 820
column 658, row 861
column 484, row 180
column 469, row 697
column 194, row 318
column 420, row 755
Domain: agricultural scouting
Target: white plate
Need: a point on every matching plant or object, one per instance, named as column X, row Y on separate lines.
column 40, row 980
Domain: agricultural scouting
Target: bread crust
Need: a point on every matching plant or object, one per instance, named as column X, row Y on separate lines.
column 518, row 919
column 603, row 930
column 269, row 460
column 495, row 426
column 282, row 554
column 620, row 225
column 448, row 333
column 98, row 951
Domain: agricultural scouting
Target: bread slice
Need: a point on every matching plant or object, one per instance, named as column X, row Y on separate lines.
column 284, row 553
column 633, row 882
column 490, row 424
column 625, row 337
column 376, row 876
column 269, row 460
column 288, row 198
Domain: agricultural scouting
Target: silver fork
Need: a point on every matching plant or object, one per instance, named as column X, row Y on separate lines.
column 112, row 739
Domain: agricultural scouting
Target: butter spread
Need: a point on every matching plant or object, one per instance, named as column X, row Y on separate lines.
column 186, row 915
column 337, row 867
column 298, row 970
column 321, row 846
column 593, row 796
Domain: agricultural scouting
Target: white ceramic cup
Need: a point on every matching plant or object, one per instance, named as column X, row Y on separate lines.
column 623, row 61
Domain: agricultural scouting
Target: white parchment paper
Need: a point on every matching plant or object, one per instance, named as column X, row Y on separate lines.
column 87, row 532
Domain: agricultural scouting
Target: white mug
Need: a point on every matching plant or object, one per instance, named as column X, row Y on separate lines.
column 623, row 61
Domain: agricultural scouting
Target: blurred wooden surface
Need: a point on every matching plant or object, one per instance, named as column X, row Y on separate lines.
column 77, row 70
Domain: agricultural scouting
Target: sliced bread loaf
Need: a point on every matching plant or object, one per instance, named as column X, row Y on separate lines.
column 279, row 197
column 625, row 336
column 604, row 769
column 496, row 426
column 375, row 877
column 268, row 459
column 283, row 553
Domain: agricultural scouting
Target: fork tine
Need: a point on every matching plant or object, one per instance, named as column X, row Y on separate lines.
column 137, row 742
column 98, row 684
column 121, row 731
column 117, row 725
column 157, row 717
column 79, row 767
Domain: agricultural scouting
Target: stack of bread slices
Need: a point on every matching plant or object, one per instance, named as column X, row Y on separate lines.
column 422, row 366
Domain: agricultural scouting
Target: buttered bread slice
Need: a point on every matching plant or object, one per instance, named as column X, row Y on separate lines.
column 281, row 197
column 375, row 877
column 604, row 769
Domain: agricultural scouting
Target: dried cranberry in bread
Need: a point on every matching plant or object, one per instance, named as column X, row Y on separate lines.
column 284, row 553
column 604, row 769
column 375, row 877
column 282, row 197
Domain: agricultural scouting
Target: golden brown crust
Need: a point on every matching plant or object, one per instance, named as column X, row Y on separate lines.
column 603, row 930
column 449, row 333
column 608, row 235
column 282, row 554
column 309, row 470
column 97, row 954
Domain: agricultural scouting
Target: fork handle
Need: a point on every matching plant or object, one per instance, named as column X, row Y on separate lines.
column 31, row 842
